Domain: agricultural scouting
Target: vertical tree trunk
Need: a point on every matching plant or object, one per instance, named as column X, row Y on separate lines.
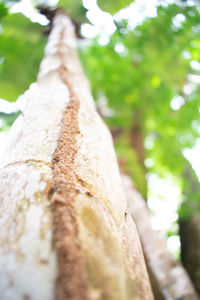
column 189, row 226
column 137, row 142
column 137, row 137
column 190, row 247
column 168, row 277
column 64, row 227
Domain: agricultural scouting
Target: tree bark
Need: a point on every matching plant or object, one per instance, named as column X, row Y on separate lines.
column 168, row 278
column 64, row 226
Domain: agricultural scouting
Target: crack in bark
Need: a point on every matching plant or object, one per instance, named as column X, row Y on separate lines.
column 71, row 281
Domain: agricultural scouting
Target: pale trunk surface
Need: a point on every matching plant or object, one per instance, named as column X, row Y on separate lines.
column 65, row 231
column 168, row 277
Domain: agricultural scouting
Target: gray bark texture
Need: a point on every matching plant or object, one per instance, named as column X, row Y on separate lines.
column 65, row 232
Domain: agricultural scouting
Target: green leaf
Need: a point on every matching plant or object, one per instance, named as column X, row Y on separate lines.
column 113, row 6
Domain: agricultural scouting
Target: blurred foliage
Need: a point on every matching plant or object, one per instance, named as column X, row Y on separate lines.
column 7, row 119
column 21, row 50
column 3, row 10
column 112, row 6
column 147, row 69
column 74, row 9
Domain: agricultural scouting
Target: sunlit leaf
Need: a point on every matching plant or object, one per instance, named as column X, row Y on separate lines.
column 112, row 6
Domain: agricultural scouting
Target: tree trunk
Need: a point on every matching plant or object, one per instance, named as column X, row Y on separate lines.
column 190, row 247
column 168, row 278
column 137, row 137
column 137, row 143
column 189, row 226
column 64, row 227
